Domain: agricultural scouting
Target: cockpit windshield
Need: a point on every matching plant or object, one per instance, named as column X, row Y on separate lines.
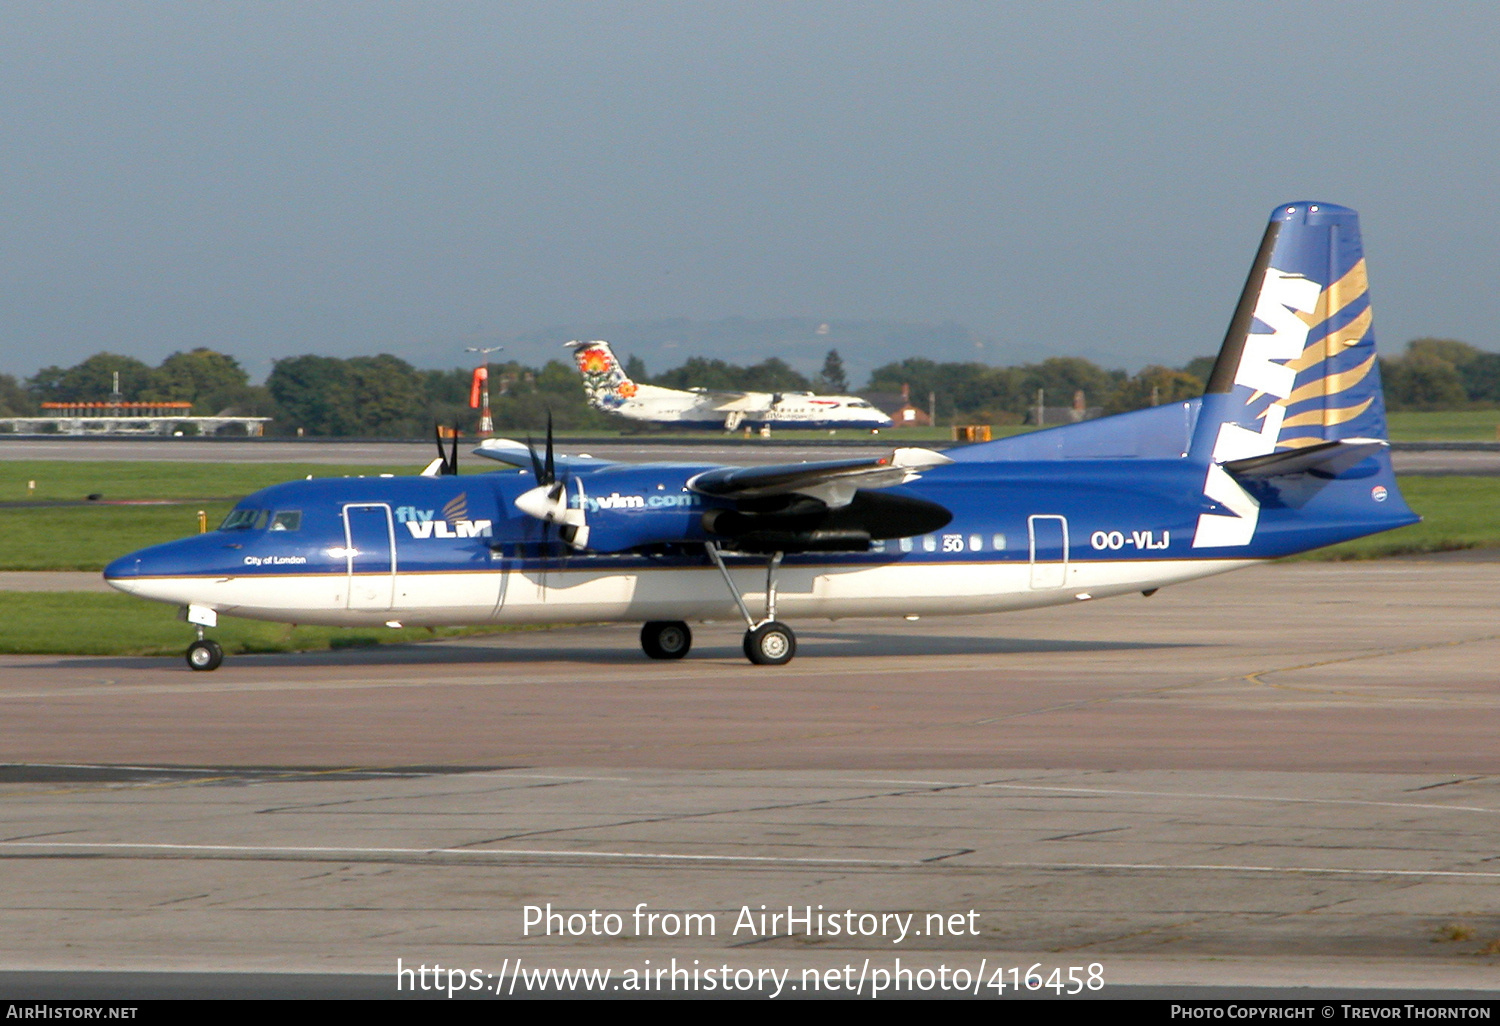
column 244, row 520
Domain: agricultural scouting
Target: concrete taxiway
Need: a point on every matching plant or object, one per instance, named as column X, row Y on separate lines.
column 1284, row 776
column 1475, row 459
column 416, row 454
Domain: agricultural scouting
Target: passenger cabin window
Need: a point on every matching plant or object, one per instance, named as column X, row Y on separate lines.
column 244, row 520
column 286, row 520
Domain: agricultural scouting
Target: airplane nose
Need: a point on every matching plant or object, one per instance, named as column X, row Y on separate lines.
column 146, row 571
column 122, row 572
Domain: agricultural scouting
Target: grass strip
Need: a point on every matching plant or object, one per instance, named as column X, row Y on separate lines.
column 1457, row 513
column 70, row 481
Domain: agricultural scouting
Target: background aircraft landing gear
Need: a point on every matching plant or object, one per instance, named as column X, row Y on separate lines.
column 666, row 639
column 770, row 644
column 205, row 654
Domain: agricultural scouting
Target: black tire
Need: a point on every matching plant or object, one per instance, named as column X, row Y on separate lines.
column 204, row 655
column 770, row 644
column 666, row 639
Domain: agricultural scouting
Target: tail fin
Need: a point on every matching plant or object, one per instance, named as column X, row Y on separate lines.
column 1298, row 364
column 1296, row 387
column 604, row 380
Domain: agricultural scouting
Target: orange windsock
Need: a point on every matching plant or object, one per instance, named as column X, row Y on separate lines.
column 481, row 375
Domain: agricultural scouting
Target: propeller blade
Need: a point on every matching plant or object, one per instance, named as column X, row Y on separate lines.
column 453, row 456
column 536, row 461
column 551, row 462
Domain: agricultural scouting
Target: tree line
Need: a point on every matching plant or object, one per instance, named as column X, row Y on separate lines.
column 384, row 396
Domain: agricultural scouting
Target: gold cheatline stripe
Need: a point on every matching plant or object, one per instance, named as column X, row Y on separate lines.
column 1328, row 417
column 1333, row 384
column 1351, row 286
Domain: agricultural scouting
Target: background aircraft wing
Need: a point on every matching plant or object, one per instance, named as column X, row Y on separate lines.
column 728, row 402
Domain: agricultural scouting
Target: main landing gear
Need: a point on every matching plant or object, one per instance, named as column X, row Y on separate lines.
column 768, row 642
column 666, row 639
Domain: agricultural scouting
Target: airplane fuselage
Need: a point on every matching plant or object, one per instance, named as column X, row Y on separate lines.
column 456, row 550
column 754, row 410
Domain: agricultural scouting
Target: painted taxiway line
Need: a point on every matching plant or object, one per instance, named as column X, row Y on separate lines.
column 1209, row 795
column 1215, row 868
column 105, row 847
column 1432, row 806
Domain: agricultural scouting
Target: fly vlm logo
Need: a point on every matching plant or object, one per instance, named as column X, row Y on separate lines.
column 1281, row 296
column 455, row 522
column 658, row 500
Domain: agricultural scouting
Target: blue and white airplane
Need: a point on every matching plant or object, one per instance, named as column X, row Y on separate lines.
column 610, row 389
column 1284, row 452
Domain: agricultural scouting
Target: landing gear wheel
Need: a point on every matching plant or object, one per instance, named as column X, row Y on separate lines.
column 666, row 639
column 770, row 644
column 204, row 654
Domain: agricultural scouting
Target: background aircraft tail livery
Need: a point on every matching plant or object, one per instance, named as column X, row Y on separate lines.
column 1285, row 452
column 610, row 389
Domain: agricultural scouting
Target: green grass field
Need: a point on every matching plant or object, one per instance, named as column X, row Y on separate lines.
column 47, row 537
column 88, row 537
column 1457, row 512
column 80, row 623
column 1444, row 426
column 69, row 481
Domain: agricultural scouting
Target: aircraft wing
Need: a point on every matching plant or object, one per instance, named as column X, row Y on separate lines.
column 518, row 454
column 728, row 402
column 833, row 482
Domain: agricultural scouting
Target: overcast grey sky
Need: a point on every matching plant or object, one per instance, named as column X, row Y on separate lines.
column 1065, row 178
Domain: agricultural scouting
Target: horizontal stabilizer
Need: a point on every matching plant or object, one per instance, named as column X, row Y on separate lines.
column 834, row 482
column 1326, row 459
column 518, row 454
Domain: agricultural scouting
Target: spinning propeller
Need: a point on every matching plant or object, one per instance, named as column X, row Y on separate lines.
column 548, row 501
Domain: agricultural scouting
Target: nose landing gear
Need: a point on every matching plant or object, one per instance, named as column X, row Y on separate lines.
column 205, row 654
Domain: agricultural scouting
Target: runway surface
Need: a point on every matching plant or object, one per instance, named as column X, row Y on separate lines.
column 1409, row 457
column 418, row 454
column 1285, row 776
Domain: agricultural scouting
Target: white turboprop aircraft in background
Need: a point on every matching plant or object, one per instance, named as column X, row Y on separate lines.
column 610, row 389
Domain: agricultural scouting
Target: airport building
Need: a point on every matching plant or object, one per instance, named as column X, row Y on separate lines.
column 121, row 418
